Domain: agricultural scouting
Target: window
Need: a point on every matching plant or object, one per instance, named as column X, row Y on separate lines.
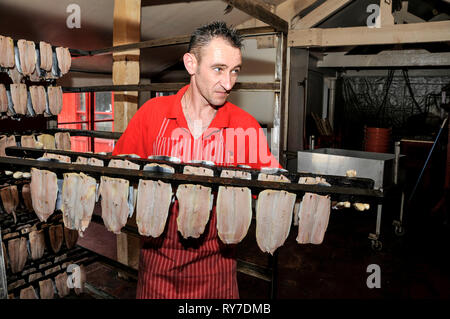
column 88, row 111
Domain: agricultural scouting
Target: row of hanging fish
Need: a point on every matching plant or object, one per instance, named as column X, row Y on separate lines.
column 36, row 62
column 29, row 244
column 59, row 141
column 152, row 199
column 36, row 100
column 52, row 288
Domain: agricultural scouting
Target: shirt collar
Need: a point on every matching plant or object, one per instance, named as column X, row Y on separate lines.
column 221, row 120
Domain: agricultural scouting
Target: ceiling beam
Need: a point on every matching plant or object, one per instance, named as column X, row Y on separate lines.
column 394, row 34
column 320, row 14
column 148, row 3
column 403, row 58
column 404, row 16
column 251, row 7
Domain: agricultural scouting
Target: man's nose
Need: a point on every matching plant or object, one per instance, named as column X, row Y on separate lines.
column 227, row 81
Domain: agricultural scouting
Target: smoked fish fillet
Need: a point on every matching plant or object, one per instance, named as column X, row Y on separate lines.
column 234, row 209
column 313, row 217
column 44, row 191
column 18, row 254
column 114, row 202
column 78, row 201
column 62, row 140
column 153, row 202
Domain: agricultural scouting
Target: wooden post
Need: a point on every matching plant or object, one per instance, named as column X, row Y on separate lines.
column 127, row 29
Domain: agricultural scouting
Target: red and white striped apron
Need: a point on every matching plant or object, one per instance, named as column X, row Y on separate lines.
column 173, row 267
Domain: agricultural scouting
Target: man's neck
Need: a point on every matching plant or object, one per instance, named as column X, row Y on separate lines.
column 199, row 114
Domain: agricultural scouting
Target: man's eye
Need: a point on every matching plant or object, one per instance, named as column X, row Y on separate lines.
column 236, row 71
column 217, row 69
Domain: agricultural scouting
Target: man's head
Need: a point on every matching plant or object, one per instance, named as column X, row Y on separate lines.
column 214, row 61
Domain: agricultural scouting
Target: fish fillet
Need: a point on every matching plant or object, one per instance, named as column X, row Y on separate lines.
column 6, row 52
column 10, row 199
column 46, row 289
column 202, row 171
column 153, row 202
column 38, row 98
column 313, row 218
column 62, row 140
column 81, row 276
column 81, row 160
column 234, row 209
column 28, row 293
column 95, row 161
column 46, row 56
column 70, row 237
column 64, row 59
column 123, row 164
column 273, row 219
column 55, row 233
column 114, row 202
column 194, row 204
column 19, row 96
column 194, row 209
column 43, row 198
column 18, row 254
column 37, row 244
column 61, row 284
column 61, row 158
column 78, row 201
column 27, row 54
column 26, row 195
column 3, row 99
column 47, row 140
column 55, row 99
column 6, row 141
column 273, row 178
column 28, row 141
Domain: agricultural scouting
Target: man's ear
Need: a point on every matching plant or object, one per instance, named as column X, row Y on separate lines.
column 190, row 63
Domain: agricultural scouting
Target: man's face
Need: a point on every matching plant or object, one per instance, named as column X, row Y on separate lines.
column 217, row 70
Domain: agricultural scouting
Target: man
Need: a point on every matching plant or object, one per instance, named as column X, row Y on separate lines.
column 196, row 124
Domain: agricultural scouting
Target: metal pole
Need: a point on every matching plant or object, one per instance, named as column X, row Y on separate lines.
column 428, row 158
column 3, row 278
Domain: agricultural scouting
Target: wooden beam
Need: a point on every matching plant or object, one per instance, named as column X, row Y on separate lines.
column 257, row 11
column 385, row 17
column 395, row 34
column 404, row 16
column 286, row 10
column 320, row 14
column 169, row 87
column 178, row 40
column 386, row 59
column 148, row 3
column 126, row 29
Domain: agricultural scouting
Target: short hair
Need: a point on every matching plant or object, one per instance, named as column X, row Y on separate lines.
column 203, row 35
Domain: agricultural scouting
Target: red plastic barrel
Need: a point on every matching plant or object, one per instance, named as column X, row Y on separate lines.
column 377, row 139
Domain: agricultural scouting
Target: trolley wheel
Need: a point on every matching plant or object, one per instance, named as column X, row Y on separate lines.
column 399, row 230
column 376, row 245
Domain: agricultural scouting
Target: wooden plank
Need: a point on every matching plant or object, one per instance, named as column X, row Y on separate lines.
column 395, row 34
column 178, row 178
column 259, row 12
column 126, row 29
column 385, row 18
column 127, row 25
column 320, row 14
column 386, row 59
column 148, row 3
